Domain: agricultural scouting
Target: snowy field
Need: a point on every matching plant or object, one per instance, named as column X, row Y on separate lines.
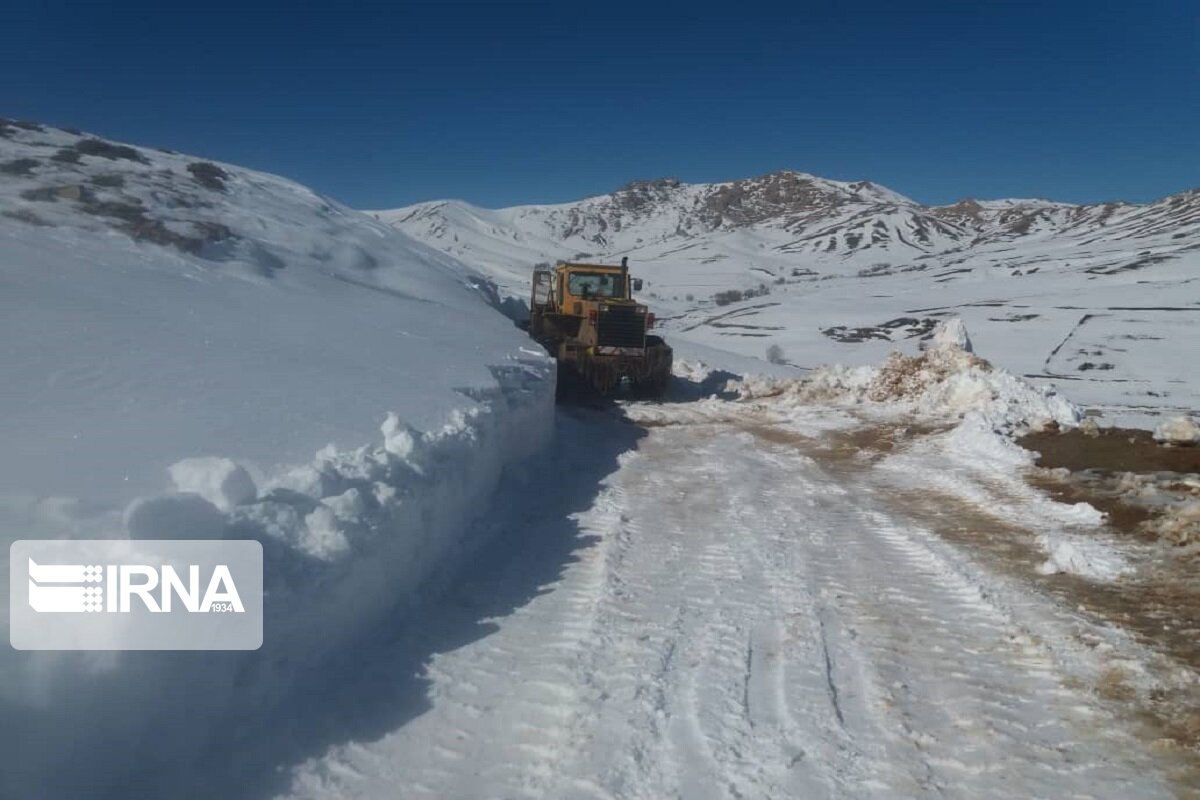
column 780, row 582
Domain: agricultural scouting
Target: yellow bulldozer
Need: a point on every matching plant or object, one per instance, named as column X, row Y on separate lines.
column 585, row 315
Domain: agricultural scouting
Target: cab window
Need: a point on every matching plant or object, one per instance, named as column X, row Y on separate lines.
column 596, row 284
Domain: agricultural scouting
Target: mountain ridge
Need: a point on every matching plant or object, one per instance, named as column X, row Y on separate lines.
column 825, row 218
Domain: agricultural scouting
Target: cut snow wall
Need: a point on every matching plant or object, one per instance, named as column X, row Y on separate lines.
column 348, row 539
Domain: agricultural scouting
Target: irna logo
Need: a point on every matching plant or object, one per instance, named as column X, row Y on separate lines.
column 140, row 594
column 81, row 588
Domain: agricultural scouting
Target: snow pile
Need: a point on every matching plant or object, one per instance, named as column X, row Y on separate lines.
column 1178, row 431
column 190, row 335
column 691, row 371
column 947, row 381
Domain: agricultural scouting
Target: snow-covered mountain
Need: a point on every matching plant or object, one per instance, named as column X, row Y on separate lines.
column 799, row 217
column 1101, row 295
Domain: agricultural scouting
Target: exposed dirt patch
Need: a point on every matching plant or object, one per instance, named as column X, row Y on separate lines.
column 66, row 155
column 1123, row 515
column 26, row 216
column 1114, row 685
column 109, row 181
column 113, row 152
column 1147, row 489
column 1109, row 450
column 851, row 448
column 902, row 327
column 21, row 167
column 208, row 175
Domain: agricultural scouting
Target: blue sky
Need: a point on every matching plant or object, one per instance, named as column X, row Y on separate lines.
column 386, row 104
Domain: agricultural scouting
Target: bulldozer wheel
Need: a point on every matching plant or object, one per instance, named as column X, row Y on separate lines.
column 570, row 386
column 654, row 385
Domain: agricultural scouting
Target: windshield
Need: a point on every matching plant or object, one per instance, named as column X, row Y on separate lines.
column 596, row 284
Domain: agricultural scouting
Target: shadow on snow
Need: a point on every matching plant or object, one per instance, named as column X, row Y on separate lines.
column 375, row 688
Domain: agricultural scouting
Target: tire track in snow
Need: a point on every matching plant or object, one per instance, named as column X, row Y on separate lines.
column 747, row 624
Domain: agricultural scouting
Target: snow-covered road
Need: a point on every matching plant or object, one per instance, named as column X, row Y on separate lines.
column 742, row 617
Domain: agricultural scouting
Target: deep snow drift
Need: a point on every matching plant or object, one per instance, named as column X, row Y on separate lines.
column 193, row 350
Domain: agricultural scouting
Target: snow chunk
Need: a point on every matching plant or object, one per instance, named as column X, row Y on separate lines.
column 951, row 334
column 1179, row 431
column 400, row 439
column 1081, row 514
column 324, row 539
column 1088, row 558
column 347, row 506
column 220, row 481
column 692, row 371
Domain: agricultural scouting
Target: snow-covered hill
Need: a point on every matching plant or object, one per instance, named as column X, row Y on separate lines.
column 194, row 350
column 1103, row 296
column 157, row 306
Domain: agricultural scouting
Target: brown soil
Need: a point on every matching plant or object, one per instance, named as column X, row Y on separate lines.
column 849, row 449
column 1111, row 450
column 1110, row 468
column 1123, row 515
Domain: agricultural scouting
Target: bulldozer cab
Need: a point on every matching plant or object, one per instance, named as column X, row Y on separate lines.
column 573, row 289
column 588, row 284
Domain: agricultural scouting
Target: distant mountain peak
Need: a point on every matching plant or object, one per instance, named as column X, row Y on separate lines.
column 787, row 212
column 653, row 185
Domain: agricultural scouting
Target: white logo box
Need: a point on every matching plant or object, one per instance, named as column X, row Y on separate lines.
column 136, row 594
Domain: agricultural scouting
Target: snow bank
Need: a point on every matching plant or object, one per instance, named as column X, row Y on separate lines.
column 348, row 538
column 179, row 366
